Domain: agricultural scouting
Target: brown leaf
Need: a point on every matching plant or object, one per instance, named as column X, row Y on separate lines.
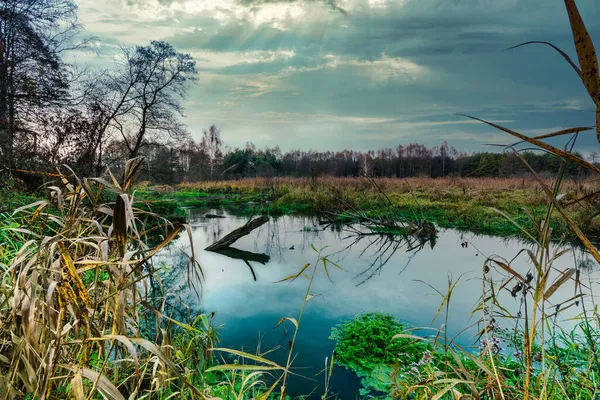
column 586, row 54
column 120, row 224
column 295, row 276
column 508, row 269
column 565, row 132
column 562, row 53
column 131, row 168
column 105, row 386
column 77, row 387
column 292, row 320
column 561, row 153
column 583, row 238
column 565, row 276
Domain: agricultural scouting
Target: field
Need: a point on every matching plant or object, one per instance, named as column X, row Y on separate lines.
column 477, row 204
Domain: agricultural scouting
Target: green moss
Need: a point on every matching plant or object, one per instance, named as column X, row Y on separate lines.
column 365, row 342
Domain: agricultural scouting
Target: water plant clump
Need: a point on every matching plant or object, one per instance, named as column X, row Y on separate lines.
column 368, row 345
column 394, row 363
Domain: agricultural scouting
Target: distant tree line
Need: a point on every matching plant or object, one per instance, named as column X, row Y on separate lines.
column 211, row 159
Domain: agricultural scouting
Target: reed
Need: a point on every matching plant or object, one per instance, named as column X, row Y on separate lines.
column 75, row 311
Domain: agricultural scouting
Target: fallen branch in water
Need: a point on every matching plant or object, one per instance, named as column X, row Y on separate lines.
column 212, row 216
column 237, row 234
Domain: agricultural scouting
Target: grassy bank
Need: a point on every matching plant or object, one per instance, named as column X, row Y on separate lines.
column 476, row 204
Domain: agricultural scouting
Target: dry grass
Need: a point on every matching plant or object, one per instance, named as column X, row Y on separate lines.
column 74, row 307
column 393, row 184
column 459, row 189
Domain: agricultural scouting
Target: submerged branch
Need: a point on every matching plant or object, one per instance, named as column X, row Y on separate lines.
column 238, row 233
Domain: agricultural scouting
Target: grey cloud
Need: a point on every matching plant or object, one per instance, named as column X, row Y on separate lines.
column 458, row 43
column 396, row 32
column 333, row 4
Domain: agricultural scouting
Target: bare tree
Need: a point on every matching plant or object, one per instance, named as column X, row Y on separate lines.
column 365, row 165
column 143, row 98
column 68, row 138
column 444, row 150
column 212, row 146
column 33, row 36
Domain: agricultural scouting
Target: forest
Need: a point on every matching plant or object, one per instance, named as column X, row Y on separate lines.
column 211, row 159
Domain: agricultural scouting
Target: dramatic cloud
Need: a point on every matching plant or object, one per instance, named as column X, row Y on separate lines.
column 362, row 73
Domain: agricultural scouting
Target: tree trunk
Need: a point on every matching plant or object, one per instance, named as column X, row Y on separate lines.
column 6, row 135
column 238, row 254
column 133, row 153
column 238, row 233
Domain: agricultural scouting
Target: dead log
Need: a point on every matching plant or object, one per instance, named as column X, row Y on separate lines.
column 238, row 233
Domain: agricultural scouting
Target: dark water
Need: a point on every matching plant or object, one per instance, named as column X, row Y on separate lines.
column 379, row 275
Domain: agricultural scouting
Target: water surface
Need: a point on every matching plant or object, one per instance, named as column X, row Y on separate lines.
column 380, row 274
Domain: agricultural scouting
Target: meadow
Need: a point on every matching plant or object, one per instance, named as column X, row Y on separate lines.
column 485, row 205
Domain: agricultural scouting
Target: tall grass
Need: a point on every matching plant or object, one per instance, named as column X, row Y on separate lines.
column 463, row 203
column 74, row 307
column 451, row 188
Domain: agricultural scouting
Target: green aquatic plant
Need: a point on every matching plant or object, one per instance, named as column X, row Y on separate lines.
column 366, row 346
column 365, row 342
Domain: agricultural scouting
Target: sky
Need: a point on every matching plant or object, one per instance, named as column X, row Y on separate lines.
column 362, row 74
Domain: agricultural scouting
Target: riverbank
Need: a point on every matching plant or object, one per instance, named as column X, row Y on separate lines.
column 485, row 205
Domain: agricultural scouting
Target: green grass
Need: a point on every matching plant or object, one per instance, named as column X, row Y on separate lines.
column 448, row 207
column 11, row 198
